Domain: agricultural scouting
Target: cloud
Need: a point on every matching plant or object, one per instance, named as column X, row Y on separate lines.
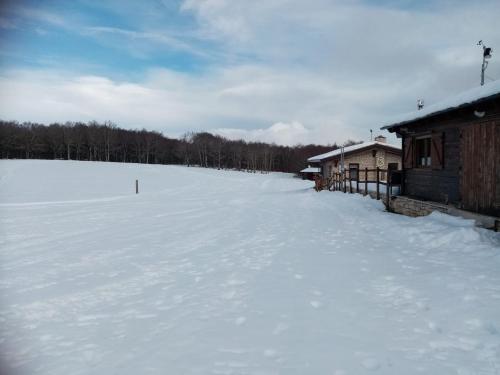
column 169, row 101
column 136, row 38
column 280, row 133
column 7, row 24
column 283, row 71
column 40, row 15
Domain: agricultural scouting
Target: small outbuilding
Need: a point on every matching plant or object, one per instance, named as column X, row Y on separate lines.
column 309, row 173
column 451, row 151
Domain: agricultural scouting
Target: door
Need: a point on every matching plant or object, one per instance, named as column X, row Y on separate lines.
column 480, row 168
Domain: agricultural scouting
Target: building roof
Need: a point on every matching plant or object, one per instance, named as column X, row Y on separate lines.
column 311, row 170
column 352, row 148
column 473, row 96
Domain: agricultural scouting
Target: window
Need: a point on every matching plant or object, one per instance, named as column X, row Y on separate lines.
column 353, row 171
column 423, row 152
column 392, row 166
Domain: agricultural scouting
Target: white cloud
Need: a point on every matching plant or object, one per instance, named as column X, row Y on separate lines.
column 222, row 100
column 40, row 15
column 136, row 39
column 287, row 72
column 280, row 133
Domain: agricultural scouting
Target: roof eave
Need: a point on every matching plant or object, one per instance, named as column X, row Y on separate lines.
column 392, row 128
column 361, row 149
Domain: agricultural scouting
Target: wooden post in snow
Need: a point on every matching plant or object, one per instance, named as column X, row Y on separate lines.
column 388, row 190
column 137, row 186
column 357, row 180
column 366, row 180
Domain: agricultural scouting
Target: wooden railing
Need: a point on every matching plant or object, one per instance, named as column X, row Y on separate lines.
column 349, row 182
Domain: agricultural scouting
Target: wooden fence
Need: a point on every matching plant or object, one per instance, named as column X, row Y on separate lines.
column 349, row 182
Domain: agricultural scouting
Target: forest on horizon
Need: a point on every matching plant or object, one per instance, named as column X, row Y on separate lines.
column 106, row 141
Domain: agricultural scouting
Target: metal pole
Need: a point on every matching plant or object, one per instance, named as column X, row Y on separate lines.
column 486, row 55
column 483, row 68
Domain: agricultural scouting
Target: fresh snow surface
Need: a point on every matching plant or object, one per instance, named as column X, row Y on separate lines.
column 221, row 272
column 372, row 186
column 347, row 149
column 466, row 97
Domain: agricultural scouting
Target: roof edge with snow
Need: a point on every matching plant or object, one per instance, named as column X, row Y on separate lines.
column 311, row 170
column 350, row 149
column 464, row 99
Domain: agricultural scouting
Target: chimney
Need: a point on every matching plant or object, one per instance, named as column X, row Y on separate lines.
column 380, row 138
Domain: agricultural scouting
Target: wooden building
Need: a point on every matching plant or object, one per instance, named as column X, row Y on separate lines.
column 370, row 155
column 451, row 151
column 310, row 173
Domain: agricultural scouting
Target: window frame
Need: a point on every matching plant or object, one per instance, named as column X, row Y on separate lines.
column 354, row 166
column 427, row 151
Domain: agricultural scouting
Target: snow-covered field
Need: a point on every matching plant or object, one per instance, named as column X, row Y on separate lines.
column 218, row 272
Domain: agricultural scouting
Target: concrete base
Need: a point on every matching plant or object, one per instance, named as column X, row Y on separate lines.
column 415, row 207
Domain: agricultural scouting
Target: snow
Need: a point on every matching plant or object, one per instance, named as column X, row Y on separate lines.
column 464, row 98
column 222, row 272
column 372, row 186
column 311, row 170
column 347, row 149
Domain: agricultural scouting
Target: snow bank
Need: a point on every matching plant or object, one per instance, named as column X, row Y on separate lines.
column 215, row 272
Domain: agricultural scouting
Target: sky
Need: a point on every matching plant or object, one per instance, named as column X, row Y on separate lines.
column 283, row 71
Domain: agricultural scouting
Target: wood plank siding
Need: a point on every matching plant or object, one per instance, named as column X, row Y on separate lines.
column 480, row 177
column 436, row 183
column 465, row 158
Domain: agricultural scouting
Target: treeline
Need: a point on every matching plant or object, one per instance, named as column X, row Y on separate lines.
column 106, row 142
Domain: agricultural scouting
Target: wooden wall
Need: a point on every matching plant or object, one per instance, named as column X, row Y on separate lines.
column 440, row 185
column 470, row 173
column 480, row 177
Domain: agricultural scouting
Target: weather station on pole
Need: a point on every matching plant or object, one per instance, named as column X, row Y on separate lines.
column 486, row 55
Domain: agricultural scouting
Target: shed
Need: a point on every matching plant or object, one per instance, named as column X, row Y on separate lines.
column 309, row 173
column 451, row 151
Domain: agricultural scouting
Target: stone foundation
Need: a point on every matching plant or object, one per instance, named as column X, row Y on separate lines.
column 414, row 207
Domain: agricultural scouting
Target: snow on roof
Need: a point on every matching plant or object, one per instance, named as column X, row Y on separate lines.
column 310, row 170
column 462, row 99
column 347, row 149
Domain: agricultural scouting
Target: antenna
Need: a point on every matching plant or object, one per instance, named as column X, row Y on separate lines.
column 371, row 135
column 486, row 55
column 420, row 104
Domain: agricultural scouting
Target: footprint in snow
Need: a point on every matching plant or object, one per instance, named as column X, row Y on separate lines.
column 241, row 320
column 280, row 327
column 316, row 304
column 370, row 364
column 270, row 353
